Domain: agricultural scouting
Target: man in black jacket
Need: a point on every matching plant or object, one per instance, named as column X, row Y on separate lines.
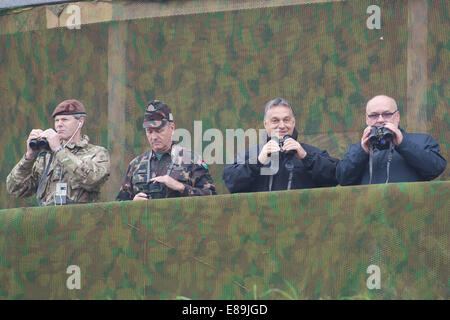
column 271, row 166
column 410, row 157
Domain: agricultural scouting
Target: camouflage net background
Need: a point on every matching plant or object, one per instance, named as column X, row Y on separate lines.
column 215, row 63
column 301, row 244
column 221, row 67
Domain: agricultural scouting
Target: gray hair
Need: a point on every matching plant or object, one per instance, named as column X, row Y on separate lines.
column 79, row 116
column 275, row 103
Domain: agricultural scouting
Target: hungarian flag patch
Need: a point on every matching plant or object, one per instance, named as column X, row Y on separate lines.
column 204, row 164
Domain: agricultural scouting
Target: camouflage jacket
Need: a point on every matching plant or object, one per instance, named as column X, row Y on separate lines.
column 187, row 168
column 83, row 166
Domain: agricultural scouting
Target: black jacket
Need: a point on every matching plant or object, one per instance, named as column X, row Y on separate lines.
column 317, row 169
column 417, row 158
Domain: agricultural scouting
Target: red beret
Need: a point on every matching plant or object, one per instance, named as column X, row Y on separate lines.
column 69, row 107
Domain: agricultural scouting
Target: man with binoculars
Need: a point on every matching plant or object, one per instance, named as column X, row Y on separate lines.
column 387, row 153
column 60, row 165
column 282, row 163
column 166, row 170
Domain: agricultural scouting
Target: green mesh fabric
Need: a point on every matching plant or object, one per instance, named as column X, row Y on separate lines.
column 311, row 244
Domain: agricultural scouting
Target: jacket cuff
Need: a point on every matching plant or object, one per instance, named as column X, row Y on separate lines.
column 27, row 163
column 308, row 160
column 404, row 145
column 185, row 192
column 257, row 166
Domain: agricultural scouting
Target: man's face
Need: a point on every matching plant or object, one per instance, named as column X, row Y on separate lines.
column 160, row 139
column 65, row 126
column 279, row 122
column 381, row 110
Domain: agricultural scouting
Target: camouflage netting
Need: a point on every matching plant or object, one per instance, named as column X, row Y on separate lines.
column 221, row 67
column 309, row 244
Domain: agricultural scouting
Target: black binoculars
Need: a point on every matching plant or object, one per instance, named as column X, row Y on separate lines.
column 281, row 143
column 155, row 190
column 39, row 144
column 380, row 137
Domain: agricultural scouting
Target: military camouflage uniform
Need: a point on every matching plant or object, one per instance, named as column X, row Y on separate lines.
column 83, row 166
column 188, row 169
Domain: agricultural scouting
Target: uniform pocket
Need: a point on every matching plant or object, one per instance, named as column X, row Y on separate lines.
column 139, row 177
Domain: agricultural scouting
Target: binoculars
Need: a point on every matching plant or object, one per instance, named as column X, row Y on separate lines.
column 155, row 190
column 39, row 144
column 281, row 143
column 380, row 137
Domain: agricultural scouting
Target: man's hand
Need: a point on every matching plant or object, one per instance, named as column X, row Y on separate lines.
column 54, row 141
column 140, row 196
column 268, row 148
column 291, row 144
column 170, row 182
column 34, row 134
column 398, row 136
column 365, row 139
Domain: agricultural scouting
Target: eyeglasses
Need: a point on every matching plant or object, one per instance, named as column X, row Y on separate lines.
column 286, row 120
column 385, row 115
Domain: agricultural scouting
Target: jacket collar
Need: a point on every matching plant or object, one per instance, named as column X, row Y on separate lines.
column 84, row 141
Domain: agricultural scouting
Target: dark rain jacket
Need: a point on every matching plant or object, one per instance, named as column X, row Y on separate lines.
column 317, row 169
column 417, row 158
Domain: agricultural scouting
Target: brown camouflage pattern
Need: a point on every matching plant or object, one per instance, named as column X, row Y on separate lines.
column 157, row 114
column 320, row 242
column 188, row 169
column 83, row 166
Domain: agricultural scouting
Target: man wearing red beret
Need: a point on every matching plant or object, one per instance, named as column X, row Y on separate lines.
column 60, row 164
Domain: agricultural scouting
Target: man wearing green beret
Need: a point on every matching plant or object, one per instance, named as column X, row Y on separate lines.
column 166, row 170
column 60, row 164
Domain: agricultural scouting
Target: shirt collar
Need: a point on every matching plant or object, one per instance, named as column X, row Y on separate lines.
column 169, row 151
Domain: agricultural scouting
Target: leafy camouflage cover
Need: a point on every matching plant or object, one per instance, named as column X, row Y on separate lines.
column 305, row 244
